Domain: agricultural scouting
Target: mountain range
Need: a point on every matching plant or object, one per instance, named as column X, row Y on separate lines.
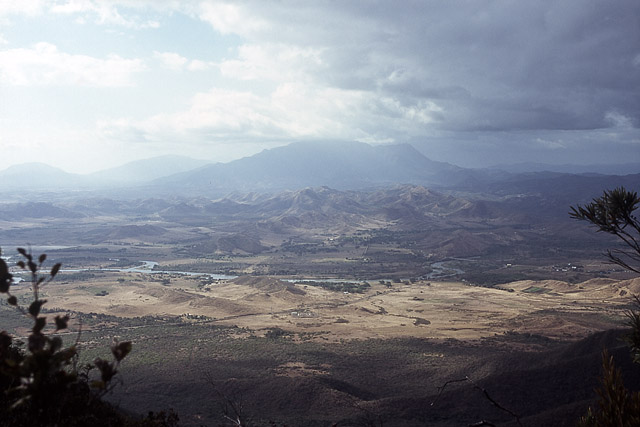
column 338, row 165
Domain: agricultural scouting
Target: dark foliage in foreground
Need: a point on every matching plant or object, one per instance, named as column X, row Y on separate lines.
column 613, row 213
column 43, row 385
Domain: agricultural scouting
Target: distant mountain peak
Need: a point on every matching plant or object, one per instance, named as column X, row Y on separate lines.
column 336, row 164
column 139, row 171
column 31, row 167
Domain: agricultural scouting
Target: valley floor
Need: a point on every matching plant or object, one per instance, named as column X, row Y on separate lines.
column 299, row 354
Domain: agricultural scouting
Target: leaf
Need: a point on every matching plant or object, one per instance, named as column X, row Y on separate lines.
column 55, row 269
column 55, row 343
column 42, row 258
column 67, row 354
column 12, row 300
column 120, row 350
column 5, row 277
column 21, row 264
column 23, row 252
column 5, row 283
column 61, row 322
column 106, row 369
column 34, row 308
column 36, row 342
column 5, row 342
column 39, row 325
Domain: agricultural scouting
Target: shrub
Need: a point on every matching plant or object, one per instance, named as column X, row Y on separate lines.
column 43, row 385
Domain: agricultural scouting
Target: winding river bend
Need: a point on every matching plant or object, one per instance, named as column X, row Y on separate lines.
column 440, row 271
column 147, row 267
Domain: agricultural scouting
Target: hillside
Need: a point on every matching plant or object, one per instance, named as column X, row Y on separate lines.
column 38, row 176
column 142, row 171
column 298, row 354
column 337, row 165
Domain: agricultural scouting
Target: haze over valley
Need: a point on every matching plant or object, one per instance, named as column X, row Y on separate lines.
column 317, row 214
column 336, row 246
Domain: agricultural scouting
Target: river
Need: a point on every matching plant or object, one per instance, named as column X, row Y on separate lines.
column 439, row 271
column 147, row 267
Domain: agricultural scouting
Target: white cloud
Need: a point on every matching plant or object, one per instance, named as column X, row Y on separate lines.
column 175, row 61
column 104, row 13
column 44, row 64
column 618, row 120
column 274, row 62
column 171, row 60
column 198, row 65
column 21, row 7
column 550, row 144
column 291, row 111
column 231, row 18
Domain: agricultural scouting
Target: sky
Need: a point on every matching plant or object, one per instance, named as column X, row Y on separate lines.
column 91, row 84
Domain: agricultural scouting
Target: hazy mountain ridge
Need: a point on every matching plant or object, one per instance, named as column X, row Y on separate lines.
column 336, row 165
column 601, row 169
column 38, row 176
column 13, row 211
column 351, row 165
column 400, row 203
column 142, row 171
column 405, row 207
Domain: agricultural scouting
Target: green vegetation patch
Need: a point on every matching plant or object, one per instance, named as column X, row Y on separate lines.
column 351, row 287
column 535, row 290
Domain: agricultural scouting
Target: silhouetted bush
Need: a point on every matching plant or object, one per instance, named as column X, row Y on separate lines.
column 613, row 213
column 43, row 385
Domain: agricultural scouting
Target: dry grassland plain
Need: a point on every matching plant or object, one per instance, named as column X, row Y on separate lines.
column 301, row 351
column 423, row 309
column 304, row 355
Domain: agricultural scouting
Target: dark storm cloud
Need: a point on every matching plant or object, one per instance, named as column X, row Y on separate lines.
column 490, row 65
column 511, row 65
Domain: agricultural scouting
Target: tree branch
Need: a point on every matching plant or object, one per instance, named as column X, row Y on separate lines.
column 486, row 395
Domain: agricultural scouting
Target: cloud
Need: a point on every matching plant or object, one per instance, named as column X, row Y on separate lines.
column 549, row 144
column 291, row 111
column 104, row 12
column 232, row 18
column 558, row 77
column 171, row 60
column 618, row 120
column 177, row 62
column 44, row 64
column 274, row 62
column 23, row 7
column 198, row 65
column 112, row 12
column 489, row 65
column 391, row 73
